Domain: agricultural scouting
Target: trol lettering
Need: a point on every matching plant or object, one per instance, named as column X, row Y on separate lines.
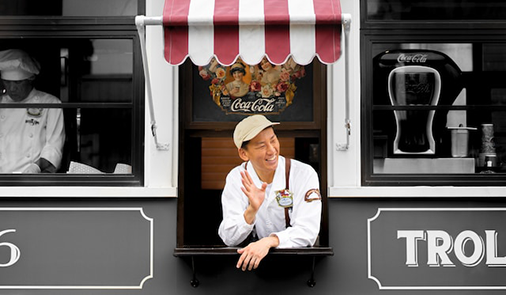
column 440, row 244
column 417, row 58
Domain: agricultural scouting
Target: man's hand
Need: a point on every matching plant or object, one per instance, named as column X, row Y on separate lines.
column 45, row 166
column 32, row 169
column 252, row 254
column 255, row 196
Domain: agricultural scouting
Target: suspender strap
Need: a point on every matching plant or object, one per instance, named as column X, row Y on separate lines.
column 287, row 172
column 287, row 178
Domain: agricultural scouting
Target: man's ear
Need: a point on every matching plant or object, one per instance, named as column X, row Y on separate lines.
column 242, row 154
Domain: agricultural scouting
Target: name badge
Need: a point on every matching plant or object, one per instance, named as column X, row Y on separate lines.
column 284, row 198
column 34, row 112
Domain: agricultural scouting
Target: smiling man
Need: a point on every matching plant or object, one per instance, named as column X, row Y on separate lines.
column 268, row 201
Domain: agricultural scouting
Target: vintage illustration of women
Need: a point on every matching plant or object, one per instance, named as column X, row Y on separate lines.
column 269, row 73
column 238, row 88
column 252, row 85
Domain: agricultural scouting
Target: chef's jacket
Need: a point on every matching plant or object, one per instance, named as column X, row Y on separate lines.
column 305, row 214
column 27, row 134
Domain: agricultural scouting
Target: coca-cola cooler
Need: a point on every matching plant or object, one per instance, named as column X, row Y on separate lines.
column 409, row 84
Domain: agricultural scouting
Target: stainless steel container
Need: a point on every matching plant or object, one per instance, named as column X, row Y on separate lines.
column 460, row 141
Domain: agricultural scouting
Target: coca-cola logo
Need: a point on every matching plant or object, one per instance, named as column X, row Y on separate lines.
column 421, row 88
column 416, row 58
column 263, row 105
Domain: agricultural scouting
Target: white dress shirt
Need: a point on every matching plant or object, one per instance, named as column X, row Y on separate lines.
column 305, row 214
column 27, row 134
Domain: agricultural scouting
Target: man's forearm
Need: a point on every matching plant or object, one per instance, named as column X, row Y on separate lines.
column 250, row 215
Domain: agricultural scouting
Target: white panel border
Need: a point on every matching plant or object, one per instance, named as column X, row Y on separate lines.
column 381, row 287
column 141, row 211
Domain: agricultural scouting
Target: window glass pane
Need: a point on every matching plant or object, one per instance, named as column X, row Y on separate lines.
column 494, row 57
column 439, row 108
column 101, row 70
column 397, row 10
column 91, row 128
column 388, row 10
column 69, row 7
column 100, row 145
column 82, row 70
column 102, row 141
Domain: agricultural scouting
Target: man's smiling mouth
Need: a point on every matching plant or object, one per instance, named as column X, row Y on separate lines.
column 273, row 158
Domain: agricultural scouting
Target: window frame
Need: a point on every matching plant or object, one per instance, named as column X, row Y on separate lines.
column 58, row 28
column 190, row 130
column 377, row 32
column 366, row 23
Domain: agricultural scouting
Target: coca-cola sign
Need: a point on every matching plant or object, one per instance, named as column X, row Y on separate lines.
column 414, row 58
column 261, row 105
column 252, row 89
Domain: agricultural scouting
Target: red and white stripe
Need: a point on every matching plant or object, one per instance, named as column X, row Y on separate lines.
column 252, row 29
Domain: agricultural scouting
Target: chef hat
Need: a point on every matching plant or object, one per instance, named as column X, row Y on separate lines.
column 17, row 65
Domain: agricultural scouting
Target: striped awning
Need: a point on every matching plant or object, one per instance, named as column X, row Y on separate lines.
column 252, row 29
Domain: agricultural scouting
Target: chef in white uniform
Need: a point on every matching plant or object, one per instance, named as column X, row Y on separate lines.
column 257, row 200
column 31, row 139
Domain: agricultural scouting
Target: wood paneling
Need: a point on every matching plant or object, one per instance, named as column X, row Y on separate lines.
column 219, row 156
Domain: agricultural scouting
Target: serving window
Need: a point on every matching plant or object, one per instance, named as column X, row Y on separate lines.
column 209, row 111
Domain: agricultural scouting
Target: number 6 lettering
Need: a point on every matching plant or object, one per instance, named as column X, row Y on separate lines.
column 15, row 253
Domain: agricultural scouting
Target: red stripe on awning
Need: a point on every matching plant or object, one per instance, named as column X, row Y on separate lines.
column 277, row 31
column 328, row 30
column 324, row 23
column 226, row 30
column 175, row 12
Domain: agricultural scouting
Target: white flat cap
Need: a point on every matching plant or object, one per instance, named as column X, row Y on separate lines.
column 249, row 127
